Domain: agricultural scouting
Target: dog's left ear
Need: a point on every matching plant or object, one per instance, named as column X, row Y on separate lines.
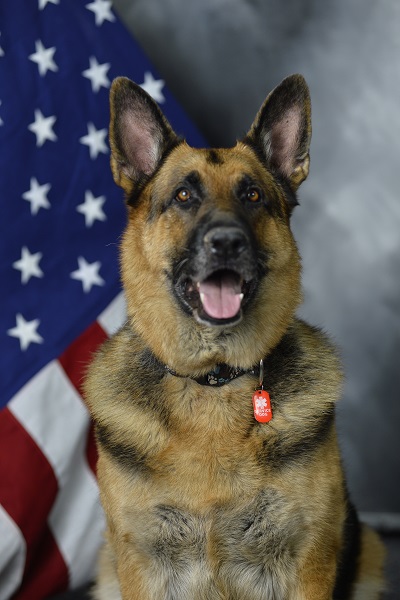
column 140, row 135
column 282, row 130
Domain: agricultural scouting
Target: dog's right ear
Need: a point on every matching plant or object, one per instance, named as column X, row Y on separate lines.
column 140, row 135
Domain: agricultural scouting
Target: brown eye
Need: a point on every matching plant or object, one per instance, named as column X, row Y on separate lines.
column 253, row 195
column 183, row 195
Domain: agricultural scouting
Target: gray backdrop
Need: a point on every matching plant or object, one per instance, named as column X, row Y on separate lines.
column 220, row 58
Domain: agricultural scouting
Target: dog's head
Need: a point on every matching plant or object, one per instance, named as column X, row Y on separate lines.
column 210, row 267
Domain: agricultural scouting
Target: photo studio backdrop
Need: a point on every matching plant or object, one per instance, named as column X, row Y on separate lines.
column 62, row 217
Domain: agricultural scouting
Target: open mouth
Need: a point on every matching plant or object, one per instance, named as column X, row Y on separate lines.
column 219, row 298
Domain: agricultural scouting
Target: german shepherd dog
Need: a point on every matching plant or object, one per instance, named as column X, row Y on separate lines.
column 214, row 406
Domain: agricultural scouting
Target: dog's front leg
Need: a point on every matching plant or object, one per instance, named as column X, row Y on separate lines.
column 120, row 579
column 316, row 579
column 133, row 583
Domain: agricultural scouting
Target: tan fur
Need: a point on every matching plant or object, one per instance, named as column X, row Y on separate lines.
column 203, row 503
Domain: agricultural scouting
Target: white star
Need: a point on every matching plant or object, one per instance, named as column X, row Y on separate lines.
column 88, row 274
column 153, row 87
column 37, row 195
column 92, row 208
column 95, row 140
column 97, row 74
column 26, row 332
column 42, row 3
column 28, row 264
column 42, row 127
column 102, row 11
column 1, row 50
column 1, row 120
column 44, row 58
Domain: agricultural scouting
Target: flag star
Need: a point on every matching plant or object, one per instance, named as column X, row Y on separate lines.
column 43, row 57
column 37, row 196
column 1, row 120
column 153, row 87
column 102, row 11
column 88, row 274
column 92, row 209
column 95, row 140
column 42, row 127
column 1, row 50
column 26, row 332
column 43, row 3
column 28, row 264
column 97, row 74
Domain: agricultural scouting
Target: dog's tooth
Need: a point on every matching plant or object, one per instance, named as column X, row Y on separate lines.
column 198, row 285
column 202, row 296
column 241, row 296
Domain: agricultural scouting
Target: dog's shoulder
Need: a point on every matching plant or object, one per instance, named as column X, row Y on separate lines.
column 304, row 360
column 122, row 392
column 304, row 378
column 119, row 368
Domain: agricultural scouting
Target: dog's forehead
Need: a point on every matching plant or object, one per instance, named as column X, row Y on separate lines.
column 214, row 165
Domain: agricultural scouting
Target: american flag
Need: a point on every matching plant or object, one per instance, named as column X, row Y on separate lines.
column 61, row 219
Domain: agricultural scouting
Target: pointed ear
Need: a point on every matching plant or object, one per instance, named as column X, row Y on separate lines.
column 140, row 135
column 282, row 129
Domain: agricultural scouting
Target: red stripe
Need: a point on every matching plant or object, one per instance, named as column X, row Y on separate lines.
column 47, row 573
column 76, row 358
column 28, row 488
column 75, row 361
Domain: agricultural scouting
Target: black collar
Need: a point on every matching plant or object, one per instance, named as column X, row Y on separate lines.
column 221, row 375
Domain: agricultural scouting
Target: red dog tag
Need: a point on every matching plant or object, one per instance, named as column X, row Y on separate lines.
column 262, row 406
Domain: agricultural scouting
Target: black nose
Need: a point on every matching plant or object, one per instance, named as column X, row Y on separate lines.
column 226, row 242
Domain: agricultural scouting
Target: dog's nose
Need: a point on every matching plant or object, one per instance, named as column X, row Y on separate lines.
column 226, row 242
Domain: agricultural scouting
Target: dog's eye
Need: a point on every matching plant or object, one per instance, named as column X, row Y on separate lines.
column 183, row 195
column 253, row 195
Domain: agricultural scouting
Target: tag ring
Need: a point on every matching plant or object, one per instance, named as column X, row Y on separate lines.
column 261, row 373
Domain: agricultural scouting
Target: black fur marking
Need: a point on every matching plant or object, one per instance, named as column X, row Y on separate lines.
column 260, row 540
column 290, row 195
column 284, row 362
column 149, row 373
column 127, row 456
column 284, row 451
column 195, row 245
column 288, row 376
column 197, row 261
column 348, row 562
column 151, row 366
column 288, row 370
column 214, row 158
column 192, row 181
column 138, row 380
column 270, row 199
column 180, row 536
column 133, row 198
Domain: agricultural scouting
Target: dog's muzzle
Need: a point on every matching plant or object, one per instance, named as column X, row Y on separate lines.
column 218, row 276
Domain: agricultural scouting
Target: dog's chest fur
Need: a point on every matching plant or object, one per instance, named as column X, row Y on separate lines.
column 197, row 484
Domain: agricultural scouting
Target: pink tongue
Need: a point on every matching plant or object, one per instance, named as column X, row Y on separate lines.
column 220, row 296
